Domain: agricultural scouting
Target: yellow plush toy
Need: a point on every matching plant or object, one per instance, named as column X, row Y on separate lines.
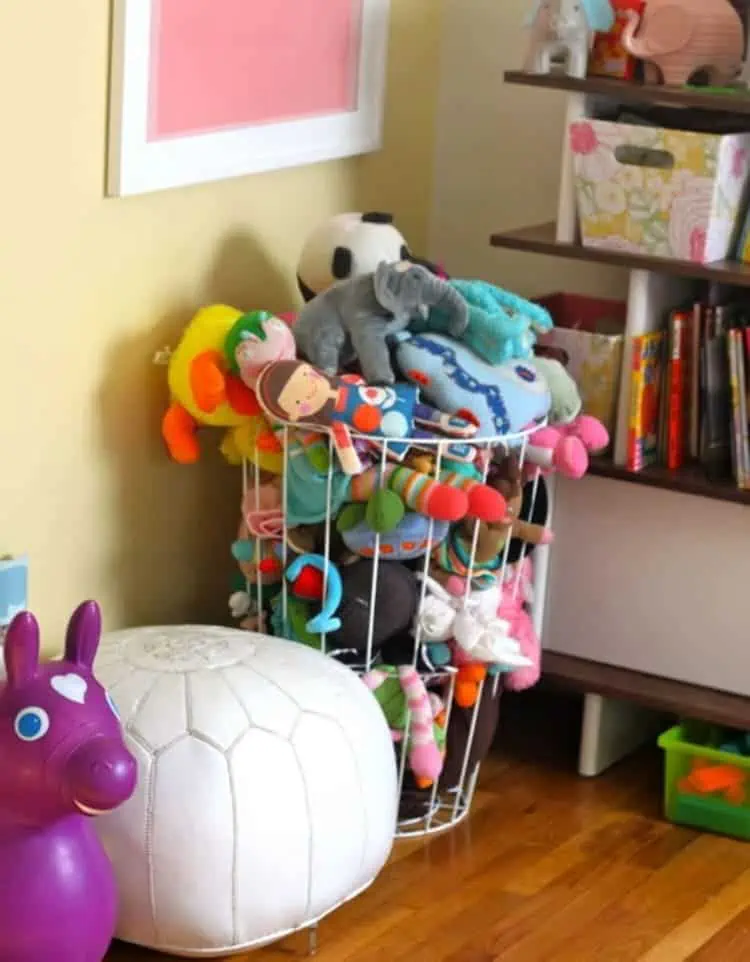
column 205, row 393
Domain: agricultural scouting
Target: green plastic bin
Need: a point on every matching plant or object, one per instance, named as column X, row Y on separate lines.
column 705, row 787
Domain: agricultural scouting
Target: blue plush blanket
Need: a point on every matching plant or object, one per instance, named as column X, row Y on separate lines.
column 502, row 325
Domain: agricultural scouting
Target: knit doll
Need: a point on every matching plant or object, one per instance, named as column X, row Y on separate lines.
column 296, row 393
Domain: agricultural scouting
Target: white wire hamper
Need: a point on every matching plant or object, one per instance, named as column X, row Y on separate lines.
column 422, row 811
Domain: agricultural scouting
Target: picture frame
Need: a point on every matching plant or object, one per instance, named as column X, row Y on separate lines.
column 154, row 42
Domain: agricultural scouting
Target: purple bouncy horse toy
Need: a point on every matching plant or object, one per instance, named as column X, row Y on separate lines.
column 62, row 760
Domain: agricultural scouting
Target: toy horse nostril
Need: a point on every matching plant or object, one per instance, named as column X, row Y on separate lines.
column 101, row 775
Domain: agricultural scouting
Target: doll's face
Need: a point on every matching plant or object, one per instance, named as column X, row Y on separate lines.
column 253, row 353
column 305, row 393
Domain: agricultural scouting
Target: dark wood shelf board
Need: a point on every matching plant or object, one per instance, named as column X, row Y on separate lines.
column 690, row 479
column 660, row 694
column 541, row 239
column 629, row 92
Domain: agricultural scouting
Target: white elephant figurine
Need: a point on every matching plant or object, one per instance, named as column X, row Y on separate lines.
column 564, row 29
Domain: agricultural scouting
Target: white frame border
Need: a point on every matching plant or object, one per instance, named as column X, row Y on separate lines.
column 137, row 166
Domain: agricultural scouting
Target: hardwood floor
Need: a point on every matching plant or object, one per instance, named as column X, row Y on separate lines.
column 549, row 868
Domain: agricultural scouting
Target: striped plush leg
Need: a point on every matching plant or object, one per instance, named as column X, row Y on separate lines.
column 418, row 492
column 485, row 503
column 425, row 758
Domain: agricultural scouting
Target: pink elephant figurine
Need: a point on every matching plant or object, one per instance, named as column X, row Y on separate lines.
column 565, row 448
column 677, row 38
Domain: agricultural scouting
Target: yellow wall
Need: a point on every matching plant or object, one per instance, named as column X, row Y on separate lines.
column 90, row 288
column 498, row 154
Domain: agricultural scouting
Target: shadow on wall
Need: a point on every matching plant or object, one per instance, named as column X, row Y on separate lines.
column 176, row 522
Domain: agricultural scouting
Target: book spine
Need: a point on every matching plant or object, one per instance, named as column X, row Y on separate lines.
column 676, row 400
column 716, row 434
column 693, row 400
column 742, row 372
column 706, row 328
column 736, row 426
column 663, row 400
column 634, row 457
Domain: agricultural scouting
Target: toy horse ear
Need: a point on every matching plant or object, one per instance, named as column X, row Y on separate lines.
column 22, row 649
column 83, row 634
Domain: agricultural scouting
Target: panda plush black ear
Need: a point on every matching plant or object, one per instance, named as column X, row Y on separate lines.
column 341, row 263
column 377, row 217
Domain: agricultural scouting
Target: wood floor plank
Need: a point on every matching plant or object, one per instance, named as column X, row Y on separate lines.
column 630, row 928
column 732, row 942
column 557, row 912
column 697, row 930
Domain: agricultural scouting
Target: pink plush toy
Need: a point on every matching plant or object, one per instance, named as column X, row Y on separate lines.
column 518, row 589
column 565, row 448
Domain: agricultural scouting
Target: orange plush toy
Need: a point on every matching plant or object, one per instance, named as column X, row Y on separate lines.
column 204, row 392
column 470, row 676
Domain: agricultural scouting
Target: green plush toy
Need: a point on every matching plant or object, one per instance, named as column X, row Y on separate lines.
column 566, row 399
column 298, row 614
column 408, row 706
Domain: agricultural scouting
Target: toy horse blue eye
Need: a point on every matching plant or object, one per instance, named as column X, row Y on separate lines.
column 31, row 724
column 111, row 703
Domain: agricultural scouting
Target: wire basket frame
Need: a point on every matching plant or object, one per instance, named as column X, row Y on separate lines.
column 437, row 808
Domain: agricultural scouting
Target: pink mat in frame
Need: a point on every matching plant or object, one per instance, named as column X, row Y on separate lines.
column 255, row 63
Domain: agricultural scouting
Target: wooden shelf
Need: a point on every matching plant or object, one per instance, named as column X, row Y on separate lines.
column 541, row 239
column 660, row 694
column 628, row 92
column 690, row 479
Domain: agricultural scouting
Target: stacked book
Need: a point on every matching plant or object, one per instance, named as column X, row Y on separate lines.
column 689, row 393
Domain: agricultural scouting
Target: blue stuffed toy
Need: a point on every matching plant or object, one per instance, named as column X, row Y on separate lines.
column 503, row 399
column 502, row 326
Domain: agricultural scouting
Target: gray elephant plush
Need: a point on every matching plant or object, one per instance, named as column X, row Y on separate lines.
column 354, row 318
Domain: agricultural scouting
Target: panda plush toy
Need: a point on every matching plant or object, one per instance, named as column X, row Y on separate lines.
column 349, row 245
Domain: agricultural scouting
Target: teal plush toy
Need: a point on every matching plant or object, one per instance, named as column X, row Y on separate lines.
column 502, row 326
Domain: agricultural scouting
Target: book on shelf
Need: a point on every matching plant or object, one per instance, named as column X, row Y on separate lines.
column 645, row 387
column 690, row 393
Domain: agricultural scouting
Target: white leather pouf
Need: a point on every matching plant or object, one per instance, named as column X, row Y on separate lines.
column 267, row 791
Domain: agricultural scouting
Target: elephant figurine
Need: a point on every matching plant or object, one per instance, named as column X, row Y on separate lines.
column 354, row 319
column 676, row 38
column 564, row 29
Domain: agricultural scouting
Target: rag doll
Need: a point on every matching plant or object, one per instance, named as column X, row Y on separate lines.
column 294, row 392
column 353, row 319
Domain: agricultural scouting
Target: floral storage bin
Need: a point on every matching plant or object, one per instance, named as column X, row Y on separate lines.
column 589, row 333
column 651, row 190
